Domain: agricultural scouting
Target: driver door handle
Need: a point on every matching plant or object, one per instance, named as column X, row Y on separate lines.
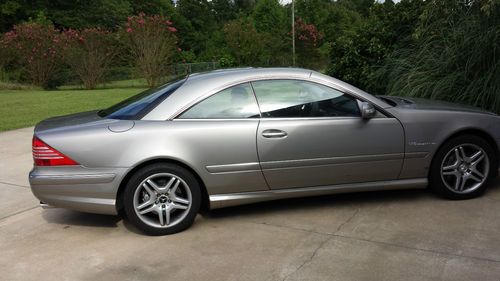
column 274, row 133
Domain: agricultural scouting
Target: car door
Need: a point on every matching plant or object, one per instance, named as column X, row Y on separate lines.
column 313, row 135
column 220, row 134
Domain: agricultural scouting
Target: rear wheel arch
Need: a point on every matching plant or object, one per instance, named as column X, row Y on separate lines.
column 205, row 203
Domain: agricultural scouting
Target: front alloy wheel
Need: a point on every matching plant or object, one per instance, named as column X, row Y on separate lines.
column 162, row 199
column 462, row 167
column 465, row 168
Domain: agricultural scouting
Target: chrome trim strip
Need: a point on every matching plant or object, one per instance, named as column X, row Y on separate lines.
column 71, row 179
column 330, row 160
column 411, row 155
column 228, row 168
column 233, row 199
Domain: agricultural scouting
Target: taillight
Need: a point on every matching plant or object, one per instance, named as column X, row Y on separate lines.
column 44, row 155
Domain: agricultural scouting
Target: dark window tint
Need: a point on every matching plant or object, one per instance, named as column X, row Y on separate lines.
column 233, row 102
column 294, row 98
column 139, row 105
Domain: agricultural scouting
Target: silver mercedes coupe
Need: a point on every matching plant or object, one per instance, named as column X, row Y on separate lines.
column 239, row 136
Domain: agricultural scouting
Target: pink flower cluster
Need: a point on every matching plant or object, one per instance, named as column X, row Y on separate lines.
column 307, row 32
column 142, row 20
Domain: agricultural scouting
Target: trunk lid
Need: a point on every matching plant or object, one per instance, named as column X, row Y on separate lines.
column 82, row 118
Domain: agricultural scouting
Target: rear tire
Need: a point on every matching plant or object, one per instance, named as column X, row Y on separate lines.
column 162, row 199
column 463, row 167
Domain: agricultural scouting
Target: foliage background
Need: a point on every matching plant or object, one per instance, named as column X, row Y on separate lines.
column 441, row 49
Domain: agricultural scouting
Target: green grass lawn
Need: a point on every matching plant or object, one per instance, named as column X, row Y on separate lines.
column 24, row 108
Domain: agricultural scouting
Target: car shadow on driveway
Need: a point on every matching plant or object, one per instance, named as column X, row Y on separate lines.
column 279, row 207
column 75, row 218
column 326, row 201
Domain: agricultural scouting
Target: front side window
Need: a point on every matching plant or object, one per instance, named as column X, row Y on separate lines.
column 294, row 98
column 234, row 102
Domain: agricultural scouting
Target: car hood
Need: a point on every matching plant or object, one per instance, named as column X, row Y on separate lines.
column 427, row 104
column 89, row 117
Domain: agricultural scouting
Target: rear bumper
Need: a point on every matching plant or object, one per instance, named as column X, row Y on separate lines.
column 77, row 187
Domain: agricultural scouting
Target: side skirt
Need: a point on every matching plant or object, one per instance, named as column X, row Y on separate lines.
column 233, row 199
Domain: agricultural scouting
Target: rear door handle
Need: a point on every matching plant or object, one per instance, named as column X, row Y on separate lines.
column 274, row 133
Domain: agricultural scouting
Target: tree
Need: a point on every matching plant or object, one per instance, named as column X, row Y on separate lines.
column 270, row 21
column 308, row 38
column 244, row 42
column 38, row 51
column 269, row 16
column 245, row 6
column 107, row 14
column 89, row 53
column 225, row 10
column 153, row 7
column 196, row 24
column 356, row 56
column 152, row 44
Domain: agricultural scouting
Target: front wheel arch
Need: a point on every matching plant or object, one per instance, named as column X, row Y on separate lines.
column 205, row 202
column 438, row 183
column 475, row 132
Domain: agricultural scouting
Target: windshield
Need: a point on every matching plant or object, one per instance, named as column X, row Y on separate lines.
column 141, row 104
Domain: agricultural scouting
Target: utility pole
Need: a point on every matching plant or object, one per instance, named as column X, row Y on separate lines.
column 293, row 32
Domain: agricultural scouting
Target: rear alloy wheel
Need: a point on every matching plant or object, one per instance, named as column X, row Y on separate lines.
column 162, row 199
column 462, row 167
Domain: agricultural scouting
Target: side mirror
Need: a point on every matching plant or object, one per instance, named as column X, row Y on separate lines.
column 368, row 110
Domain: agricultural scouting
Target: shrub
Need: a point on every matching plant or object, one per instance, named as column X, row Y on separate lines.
column 38, row 51
column 89, row 53
column 244, row 42
column 152, row 44
column 308, row 38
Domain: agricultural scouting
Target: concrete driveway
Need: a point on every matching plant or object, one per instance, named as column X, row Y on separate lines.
column 398, row 235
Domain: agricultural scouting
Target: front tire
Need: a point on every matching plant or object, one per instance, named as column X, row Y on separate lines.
column 463, row 167
column 162, row 199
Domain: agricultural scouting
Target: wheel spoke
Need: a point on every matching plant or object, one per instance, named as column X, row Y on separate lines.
column 476, row 173
column 147, row 210
column 450, row 167
column 154, row 186
column 167, row 216
column 462, row 183
column 457, row 183
column 179, row 206
column 462, row 153
column 478, row 160
column 476, row 155
column 174, row 188
column 473, row 177
column 170, row 182
column 145, row 204
column 148, row 190
column 161, row 214
column 180, row 200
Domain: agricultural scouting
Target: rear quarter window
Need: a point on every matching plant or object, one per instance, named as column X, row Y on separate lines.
column 138, row 106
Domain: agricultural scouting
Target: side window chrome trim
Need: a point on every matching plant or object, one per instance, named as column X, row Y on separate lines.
column 336, row 87
column 319, row 83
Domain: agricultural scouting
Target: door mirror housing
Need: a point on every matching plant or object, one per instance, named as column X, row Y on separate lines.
column 368, row 110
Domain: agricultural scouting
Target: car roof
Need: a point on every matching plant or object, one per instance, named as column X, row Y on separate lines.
column 198, row 86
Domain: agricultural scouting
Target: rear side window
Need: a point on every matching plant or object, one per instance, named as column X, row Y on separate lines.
column 138, row 106
column 234, row 102
column 295, row 98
